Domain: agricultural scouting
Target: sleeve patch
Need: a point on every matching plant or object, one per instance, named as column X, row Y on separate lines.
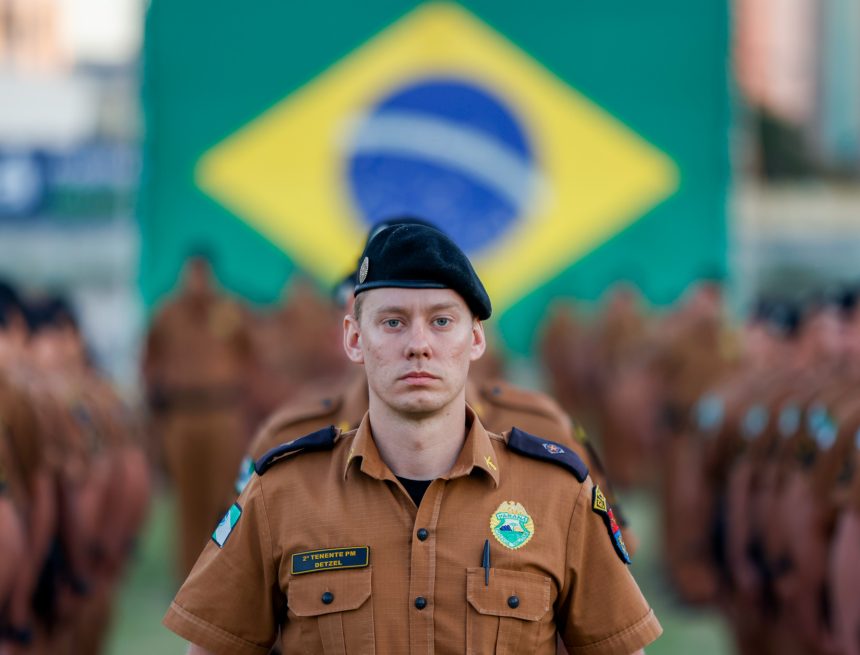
column 319, row 440
column 548, row 451
column 600, row 506
column 225, row 527
column 246, row 470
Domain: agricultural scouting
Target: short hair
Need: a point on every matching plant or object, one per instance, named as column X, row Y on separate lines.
column 356, row 307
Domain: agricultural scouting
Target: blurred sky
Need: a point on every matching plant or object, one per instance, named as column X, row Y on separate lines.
column 102, row 30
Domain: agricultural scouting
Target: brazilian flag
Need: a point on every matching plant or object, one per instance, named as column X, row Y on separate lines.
column 564, row 145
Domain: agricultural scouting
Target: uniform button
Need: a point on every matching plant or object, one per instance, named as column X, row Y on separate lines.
column 421, row 602
column 327, row 598
column 513, row 602
column 422, row 534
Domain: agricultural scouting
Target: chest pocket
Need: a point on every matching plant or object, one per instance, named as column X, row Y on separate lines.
column 505, row 616
column 334, row 611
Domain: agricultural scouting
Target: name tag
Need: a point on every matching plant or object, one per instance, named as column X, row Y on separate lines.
column 330, row 559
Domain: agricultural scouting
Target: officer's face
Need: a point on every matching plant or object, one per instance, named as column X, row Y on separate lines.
column 416, row 346
column 198, row 276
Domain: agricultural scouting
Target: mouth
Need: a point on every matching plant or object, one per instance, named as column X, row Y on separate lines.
column 418, row 376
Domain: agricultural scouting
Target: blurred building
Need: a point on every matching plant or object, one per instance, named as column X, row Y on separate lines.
column 797, row 145
column 70, row 161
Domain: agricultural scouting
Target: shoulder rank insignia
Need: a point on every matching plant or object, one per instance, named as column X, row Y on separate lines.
column 601, row 507
column 319, row 440
column 548, row 451
column 579, row 433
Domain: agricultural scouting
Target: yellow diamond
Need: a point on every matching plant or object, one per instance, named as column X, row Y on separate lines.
column 284, row 173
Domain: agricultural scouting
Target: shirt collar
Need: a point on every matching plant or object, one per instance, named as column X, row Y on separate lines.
column 477, row 452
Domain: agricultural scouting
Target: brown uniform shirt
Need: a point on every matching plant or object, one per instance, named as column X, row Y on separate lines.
column 22, row 446
column 423, row 588
column 197, row 351
column 499, row 405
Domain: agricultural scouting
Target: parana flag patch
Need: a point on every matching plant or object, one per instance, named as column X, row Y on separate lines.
column 601, row 507
column 225, row 527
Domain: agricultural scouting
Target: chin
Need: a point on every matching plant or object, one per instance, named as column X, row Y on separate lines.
column 420, row 405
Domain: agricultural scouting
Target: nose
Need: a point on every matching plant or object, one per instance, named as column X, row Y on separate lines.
column 417, row 346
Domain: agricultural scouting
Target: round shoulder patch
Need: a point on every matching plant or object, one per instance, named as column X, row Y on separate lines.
column 709, row 411
column 789, row 420
column 755, row 421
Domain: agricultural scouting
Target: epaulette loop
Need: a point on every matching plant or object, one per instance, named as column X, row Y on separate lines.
column 319, row 440
column 548, row 451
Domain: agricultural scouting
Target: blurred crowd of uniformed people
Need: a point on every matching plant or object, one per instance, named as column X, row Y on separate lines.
column 74, row 482
column 751, row 434
column 748, row 433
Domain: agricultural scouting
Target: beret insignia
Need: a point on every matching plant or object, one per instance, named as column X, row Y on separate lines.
column 319, row 440
column 601, row 507
column 362, row 271
column 548, row 451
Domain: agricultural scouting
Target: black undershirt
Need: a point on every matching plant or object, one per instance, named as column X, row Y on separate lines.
column 415, row 488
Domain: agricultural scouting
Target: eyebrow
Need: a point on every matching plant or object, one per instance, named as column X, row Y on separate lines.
column 396, row 309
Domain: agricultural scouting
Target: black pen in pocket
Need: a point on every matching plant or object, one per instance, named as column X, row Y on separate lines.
column 485, row 562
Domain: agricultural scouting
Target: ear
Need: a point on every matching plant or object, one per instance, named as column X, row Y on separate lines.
column 479, row 342
column 352, row 339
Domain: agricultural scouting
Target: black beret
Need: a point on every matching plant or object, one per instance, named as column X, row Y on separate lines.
column 51, row 312
column 10, row 304
column 421, row 257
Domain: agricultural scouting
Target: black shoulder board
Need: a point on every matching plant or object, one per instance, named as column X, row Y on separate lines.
column 319, row 440
column 548, row 451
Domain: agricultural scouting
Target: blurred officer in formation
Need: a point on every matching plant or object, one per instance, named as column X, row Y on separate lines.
column 233, row 601
column 197, row 362
column 76, row 475
column 630, row 376
column 764, row 486
column 497, row 403
column 298, row 343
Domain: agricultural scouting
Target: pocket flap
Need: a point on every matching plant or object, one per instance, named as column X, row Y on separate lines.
column 343, row 591
column 530, row 591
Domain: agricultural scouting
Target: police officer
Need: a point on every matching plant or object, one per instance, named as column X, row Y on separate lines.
column 498, row 404
column 197, row 359
column 420, row 531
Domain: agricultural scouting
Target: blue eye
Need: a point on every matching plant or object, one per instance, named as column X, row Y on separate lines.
column 392, row 322
column 442, row 322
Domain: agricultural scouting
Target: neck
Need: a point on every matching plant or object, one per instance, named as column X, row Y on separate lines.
column 419, row 446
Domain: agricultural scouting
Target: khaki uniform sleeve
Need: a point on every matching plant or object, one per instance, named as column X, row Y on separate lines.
column 231, row 602
column 601, row 610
